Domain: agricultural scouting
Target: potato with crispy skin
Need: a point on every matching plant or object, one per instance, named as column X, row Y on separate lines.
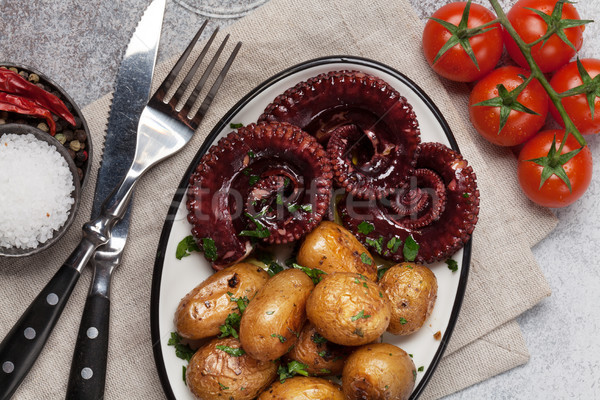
column 412, row 291
column 304, row 388
column 332, row 248
column 203, row 310
column 221, row 370
column 378, row 371
column 348, row 309
column 272, row 321
column 321, row 356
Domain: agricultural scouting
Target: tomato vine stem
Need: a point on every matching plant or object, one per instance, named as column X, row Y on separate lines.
column 537, row 73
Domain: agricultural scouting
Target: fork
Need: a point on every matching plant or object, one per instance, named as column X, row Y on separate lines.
column 163, row 130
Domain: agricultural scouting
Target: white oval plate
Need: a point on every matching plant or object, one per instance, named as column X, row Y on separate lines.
column 173, row 278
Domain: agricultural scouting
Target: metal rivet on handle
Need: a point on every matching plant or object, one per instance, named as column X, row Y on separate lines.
column 29, row 333
column 8, row 367
column 92, row 333
column 87, row 373
column 52, row 299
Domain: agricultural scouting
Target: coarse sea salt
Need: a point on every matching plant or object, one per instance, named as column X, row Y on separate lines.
column 35, row 191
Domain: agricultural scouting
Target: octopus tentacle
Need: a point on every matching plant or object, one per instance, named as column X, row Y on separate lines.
column 267, row 182
column 441, row 227
column 371, row 131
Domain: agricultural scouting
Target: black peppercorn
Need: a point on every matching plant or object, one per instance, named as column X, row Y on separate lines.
column 69, row 135
column 71, row 153
column 80, row 135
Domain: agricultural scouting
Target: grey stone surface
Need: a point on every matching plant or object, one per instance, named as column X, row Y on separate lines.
column 79, row 44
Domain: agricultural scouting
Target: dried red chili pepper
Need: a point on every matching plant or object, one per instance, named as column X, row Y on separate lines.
column 11, row 82
column 21, row 105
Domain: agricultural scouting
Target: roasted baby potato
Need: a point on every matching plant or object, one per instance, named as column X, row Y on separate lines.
column 332, row 248
column 321, row 356
column 378, row 371
column 203, row 310
column 348, row 309
column 304, row 388
column 412, row 291
column 272, row 321
column 220, row 370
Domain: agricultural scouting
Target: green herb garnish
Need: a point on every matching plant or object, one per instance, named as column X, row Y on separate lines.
column 378, row 244
column 295, row 207
column 403, row 321
column 381, row 272
column 231, row 325
column 365, row 228
column 235, row 126
column 411, row 249
column 393, row 244
column 210, row 249
column 253, row 179
column 452, row 265
column 259, row 232
column 182, row 351
column 366, row 259
column 223, row 387
column 291, row 369
column 251, row 154
column 184, row 371
column 360, row 315
column 313, row 273
column 186, row 247
column 318, row 339
column 282, row 339
column 232, row 351
column 421, row 368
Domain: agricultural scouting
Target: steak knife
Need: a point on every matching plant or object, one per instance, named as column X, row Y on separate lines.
column 23, row 344
column 132, row 91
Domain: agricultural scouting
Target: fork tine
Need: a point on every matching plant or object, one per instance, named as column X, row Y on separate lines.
column 194, row 96
column 166, row 84
column 197, row 118
column 188, row 78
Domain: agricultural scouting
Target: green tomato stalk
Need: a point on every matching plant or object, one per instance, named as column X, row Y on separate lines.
column 553, row 162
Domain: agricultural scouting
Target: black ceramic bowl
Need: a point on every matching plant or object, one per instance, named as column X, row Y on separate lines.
column 55, row 89
column 21, row 129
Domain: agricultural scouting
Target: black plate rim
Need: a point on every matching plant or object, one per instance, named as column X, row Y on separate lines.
column 166, row 231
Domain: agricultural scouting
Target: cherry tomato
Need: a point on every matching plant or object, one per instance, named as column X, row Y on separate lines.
column 520, row 125
column 456, row 64
column 554, row 53
column 577, row 106
column 554, row 192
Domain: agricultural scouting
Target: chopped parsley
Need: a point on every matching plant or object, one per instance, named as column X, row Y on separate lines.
column 210, row 249
column 235, row 126
column 466, row 195
column 242, row 302
column 253, row 179
column 182, row 351
column 231, row 325
column 274, row 268
column 403, row 321
column 295, row 207
column 421, row 368
column 452, row 265
column 184, row 371
column 381, row 272
column 186, row 247
column 318, row 339
column 232, row 351
column 323, row 353
column 251, row 154
column 259, row 232
column 282, row 339
column 279, row 199
column 223, row 387
column 291, row 369
column 411, row 249
column 377, row 244
column 364, row 257
column 365, row 228
column 394, row 244
column 324, row 371
column 313, row 273
column 360, row 315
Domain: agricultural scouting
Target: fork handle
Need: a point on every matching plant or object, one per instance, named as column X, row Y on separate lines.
column 21, row 347
column 88, row 368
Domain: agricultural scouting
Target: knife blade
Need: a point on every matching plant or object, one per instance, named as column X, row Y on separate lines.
column 22, row 345
column 132, row 91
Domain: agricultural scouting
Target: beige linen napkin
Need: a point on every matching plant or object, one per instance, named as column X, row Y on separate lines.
column 504, row 279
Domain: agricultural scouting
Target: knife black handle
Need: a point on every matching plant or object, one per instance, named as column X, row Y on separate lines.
column 21, row 347
column 88, row 368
